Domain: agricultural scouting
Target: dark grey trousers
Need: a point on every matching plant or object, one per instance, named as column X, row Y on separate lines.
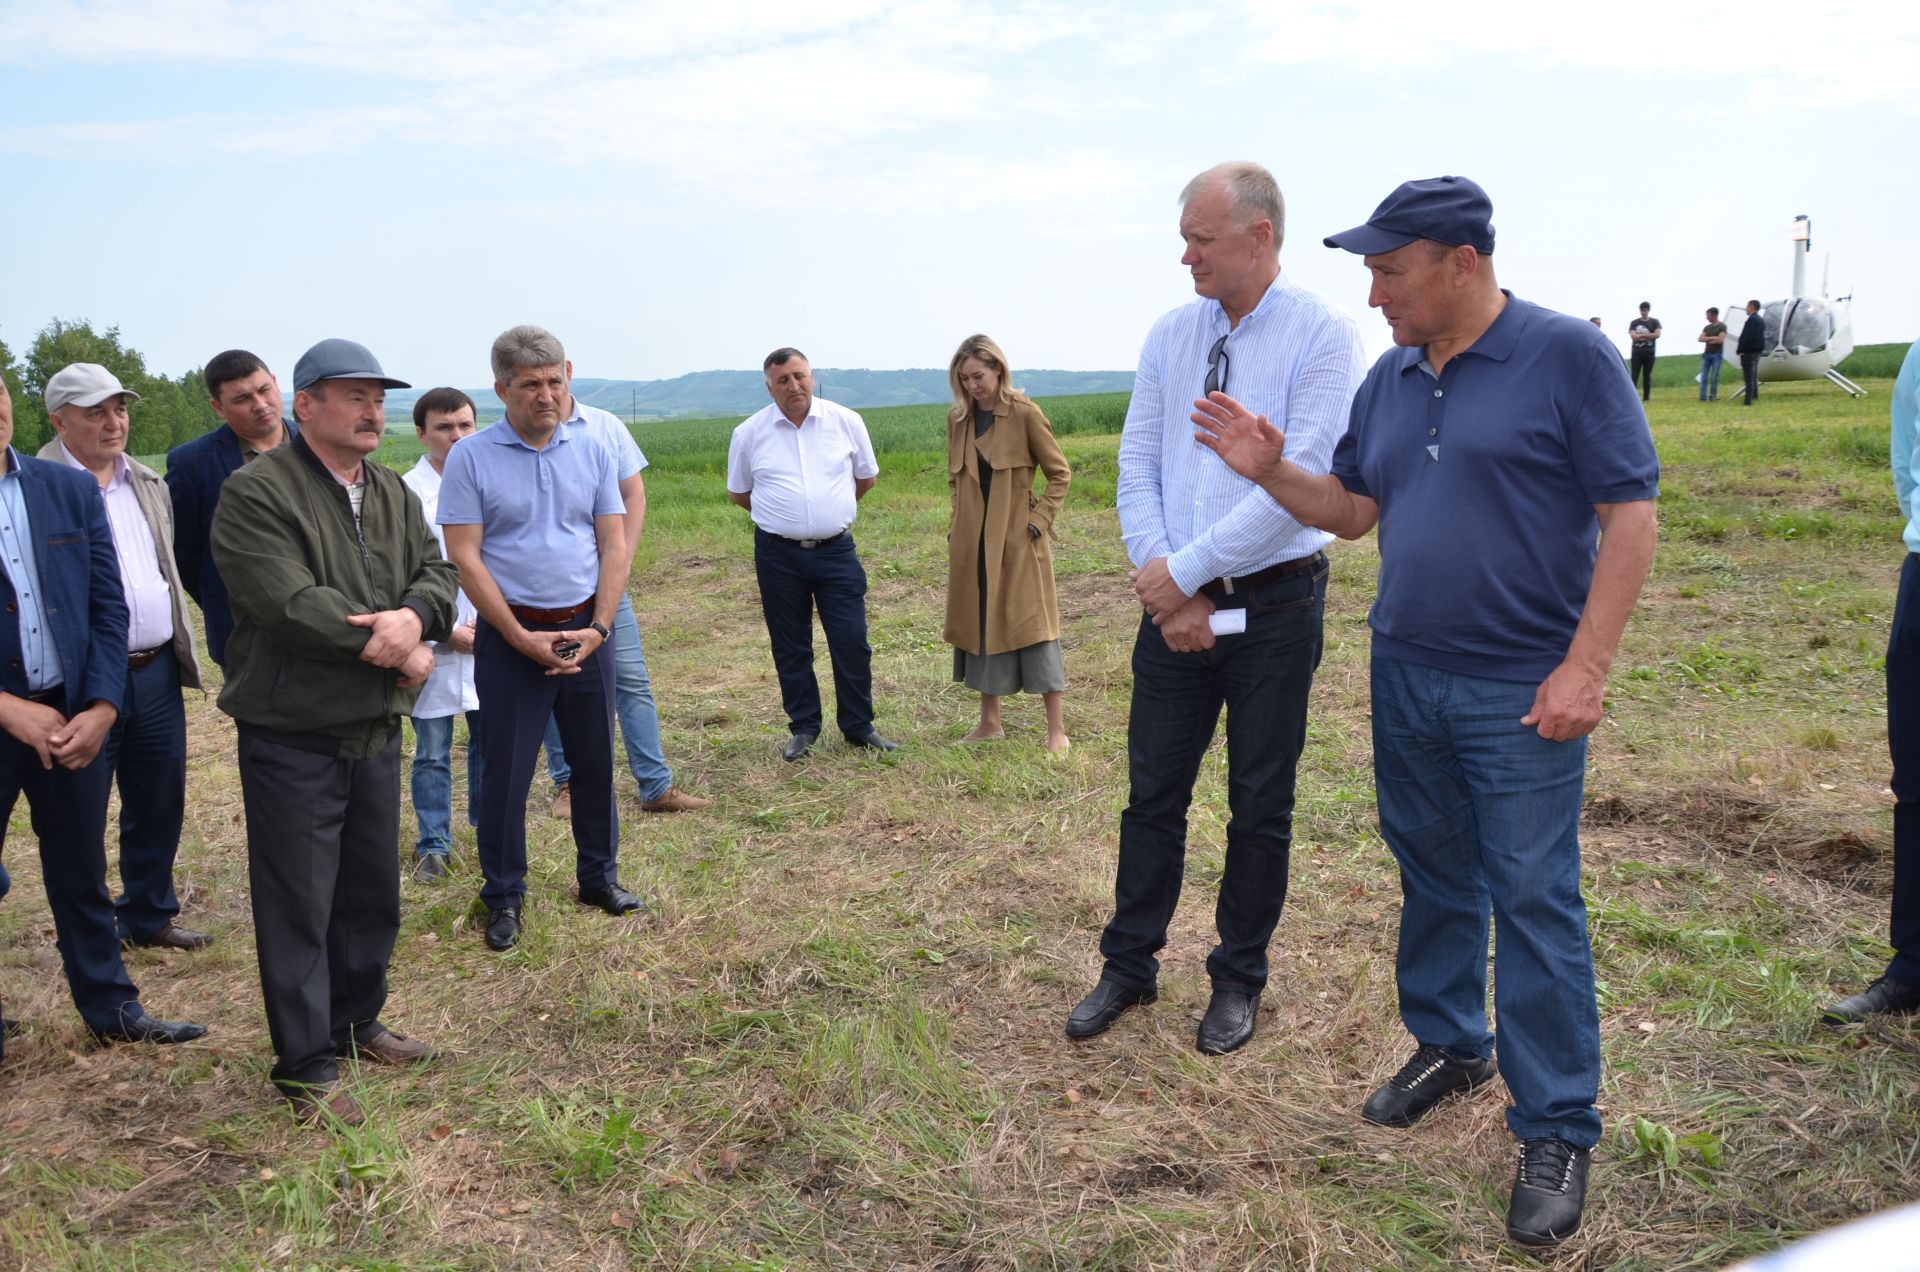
column 323, row 839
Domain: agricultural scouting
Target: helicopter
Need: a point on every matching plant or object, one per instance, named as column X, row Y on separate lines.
column 1807, row 336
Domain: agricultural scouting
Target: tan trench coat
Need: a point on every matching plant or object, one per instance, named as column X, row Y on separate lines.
column 1022, row 609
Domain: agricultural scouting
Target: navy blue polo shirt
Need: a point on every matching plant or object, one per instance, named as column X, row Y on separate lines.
column 1486, row 477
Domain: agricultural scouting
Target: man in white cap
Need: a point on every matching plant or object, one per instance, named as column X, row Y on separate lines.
column 147, row 748
column 337, row 585
column 63, row 673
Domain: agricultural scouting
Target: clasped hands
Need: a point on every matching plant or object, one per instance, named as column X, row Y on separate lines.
column 393, row 642
column 561, row 653
column 54, row 738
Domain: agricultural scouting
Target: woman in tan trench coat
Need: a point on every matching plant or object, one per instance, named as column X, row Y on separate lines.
column 1003, row 619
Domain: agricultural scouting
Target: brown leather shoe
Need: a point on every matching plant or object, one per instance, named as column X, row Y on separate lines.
column 388, row 1047
column 174, row 937
column 562, row 804
column 675, row 801
column 325, row 1103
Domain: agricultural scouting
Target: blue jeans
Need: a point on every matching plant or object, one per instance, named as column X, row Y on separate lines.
column 1710, row 376
column 1483, row 815
column 633, row 705
column 1263, row 678
column 433, row 780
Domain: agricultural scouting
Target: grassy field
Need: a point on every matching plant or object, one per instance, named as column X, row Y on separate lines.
column 835, row 1040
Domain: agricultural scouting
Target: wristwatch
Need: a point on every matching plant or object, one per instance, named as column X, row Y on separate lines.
column 604, row 633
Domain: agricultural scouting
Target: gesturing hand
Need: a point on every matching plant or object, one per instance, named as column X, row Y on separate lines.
column 1245, row 442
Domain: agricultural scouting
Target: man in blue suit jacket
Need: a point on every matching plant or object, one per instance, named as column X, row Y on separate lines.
column 246, row 396
column 63, row 672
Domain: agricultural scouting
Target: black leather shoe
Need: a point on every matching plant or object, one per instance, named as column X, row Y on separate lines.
column 613, row 898
column 798, row 745
column 503, row 928
column 1431, row 1076
column 1549, row 1192
column 875, row 741
column 1228, row 1024
column 144, row 1028
column 430, row 868
column 173, row 937
column 1096, row 1013
column 1885, row 997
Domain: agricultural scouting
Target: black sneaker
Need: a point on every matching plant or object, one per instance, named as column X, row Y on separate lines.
column 1549, row 1192
column 1885, row 997
column 1431, row 1076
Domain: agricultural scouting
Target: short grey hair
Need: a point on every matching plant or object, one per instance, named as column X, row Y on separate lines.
column 518, row 348
column 1251, row 191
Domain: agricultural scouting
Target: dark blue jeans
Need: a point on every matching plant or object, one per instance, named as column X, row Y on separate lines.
column 1903, row 741
column 1483, row 815
column 147, row 753
column 1263, row 678
column 517, row 698
column 1710, row 376
column 793, row 582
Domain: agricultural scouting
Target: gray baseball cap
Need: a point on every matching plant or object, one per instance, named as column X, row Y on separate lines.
column 84, row 384
column 338, row 359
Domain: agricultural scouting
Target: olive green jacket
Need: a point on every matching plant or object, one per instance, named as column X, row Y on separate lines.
column 295, row 567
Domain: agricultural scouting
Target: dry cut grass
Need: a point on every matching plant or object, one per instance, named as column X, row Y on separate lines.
column 835, row 1040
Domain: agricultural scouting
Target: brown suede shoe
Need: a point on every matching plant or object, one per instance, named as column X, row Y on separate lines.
column 325, row 1103
column 562, row 804
column 675, row 801
column 388, row 1047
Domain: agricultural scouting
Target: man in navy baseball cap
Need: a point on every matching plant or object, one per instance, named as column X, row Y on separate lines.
column 1449, row 210
column 1494, row 447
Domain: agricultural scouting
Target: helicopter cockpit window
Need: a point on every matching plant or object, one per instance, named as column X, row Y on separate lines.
column 1808, row 325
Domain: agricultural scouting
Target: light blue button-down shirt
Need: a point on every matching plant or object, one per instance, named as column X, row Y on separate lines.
column 41, row 659
column 1296, row 359
column 1906, row 442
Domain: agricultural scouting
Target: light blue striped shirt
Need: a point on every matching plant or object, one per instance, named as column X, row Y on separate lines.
column 38, row 657
column 1295, row 359
column 1906, row 443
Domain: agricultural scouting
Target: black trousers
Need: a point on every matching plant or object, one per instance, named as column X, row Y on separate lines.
column 1640, row 368
column 519, row 697
column 1263, row 678
column 1903, row 742
column 322, row 858
column 1750, row 368
column 69, row 814
column 793, row 582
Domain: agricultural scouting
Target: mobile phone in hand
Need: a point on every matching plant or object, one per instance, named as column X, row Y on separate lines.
column 567, row 649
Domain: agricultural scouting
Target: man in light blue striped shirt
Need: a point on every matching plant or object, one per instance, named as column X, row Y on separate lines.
column 1232, row 589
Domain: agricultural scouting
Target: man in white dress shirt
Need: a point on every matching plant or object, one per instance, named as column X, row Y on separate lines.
column 1231, row 589
column 147, row 748
column 442, row 417
column 801, row 467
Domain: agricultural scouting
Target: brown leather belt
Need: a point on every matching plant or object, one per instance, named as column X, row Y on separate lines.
column 1273, row 573
column 141, row 657
column 528, row 614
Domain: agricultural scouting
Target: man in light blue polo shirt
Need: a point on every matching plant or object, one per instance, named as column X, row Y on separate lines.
column 534, row 521
column 1493, row 447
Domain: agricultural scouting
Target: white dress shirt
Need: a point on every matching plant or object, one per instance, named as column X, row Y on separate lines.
column 149, row 599
column 801, row 478
column 449, row 690
column 1296, row 359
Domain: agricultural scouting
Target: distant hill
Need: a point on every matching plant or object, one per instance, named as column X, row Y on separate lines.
column 715, row 393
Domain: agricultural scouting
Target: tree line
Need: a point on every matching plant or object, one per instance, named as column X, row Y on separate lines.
column 168, row 413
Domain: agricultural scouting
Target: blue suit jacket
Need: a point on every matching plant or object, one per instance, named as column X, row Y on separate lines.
column 81, row 598
column 195, row 472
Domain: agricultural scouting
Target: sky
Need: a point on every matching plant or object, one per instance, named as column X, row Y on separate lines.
column 683, row 187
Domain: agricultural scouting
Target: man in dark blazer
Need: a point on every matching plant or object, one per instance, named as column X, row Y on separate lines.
column 246, row 396
column 63, row 673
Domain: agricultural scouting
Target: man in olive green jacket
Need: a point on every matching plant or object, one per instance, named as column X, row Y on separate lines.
column 337, row 584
